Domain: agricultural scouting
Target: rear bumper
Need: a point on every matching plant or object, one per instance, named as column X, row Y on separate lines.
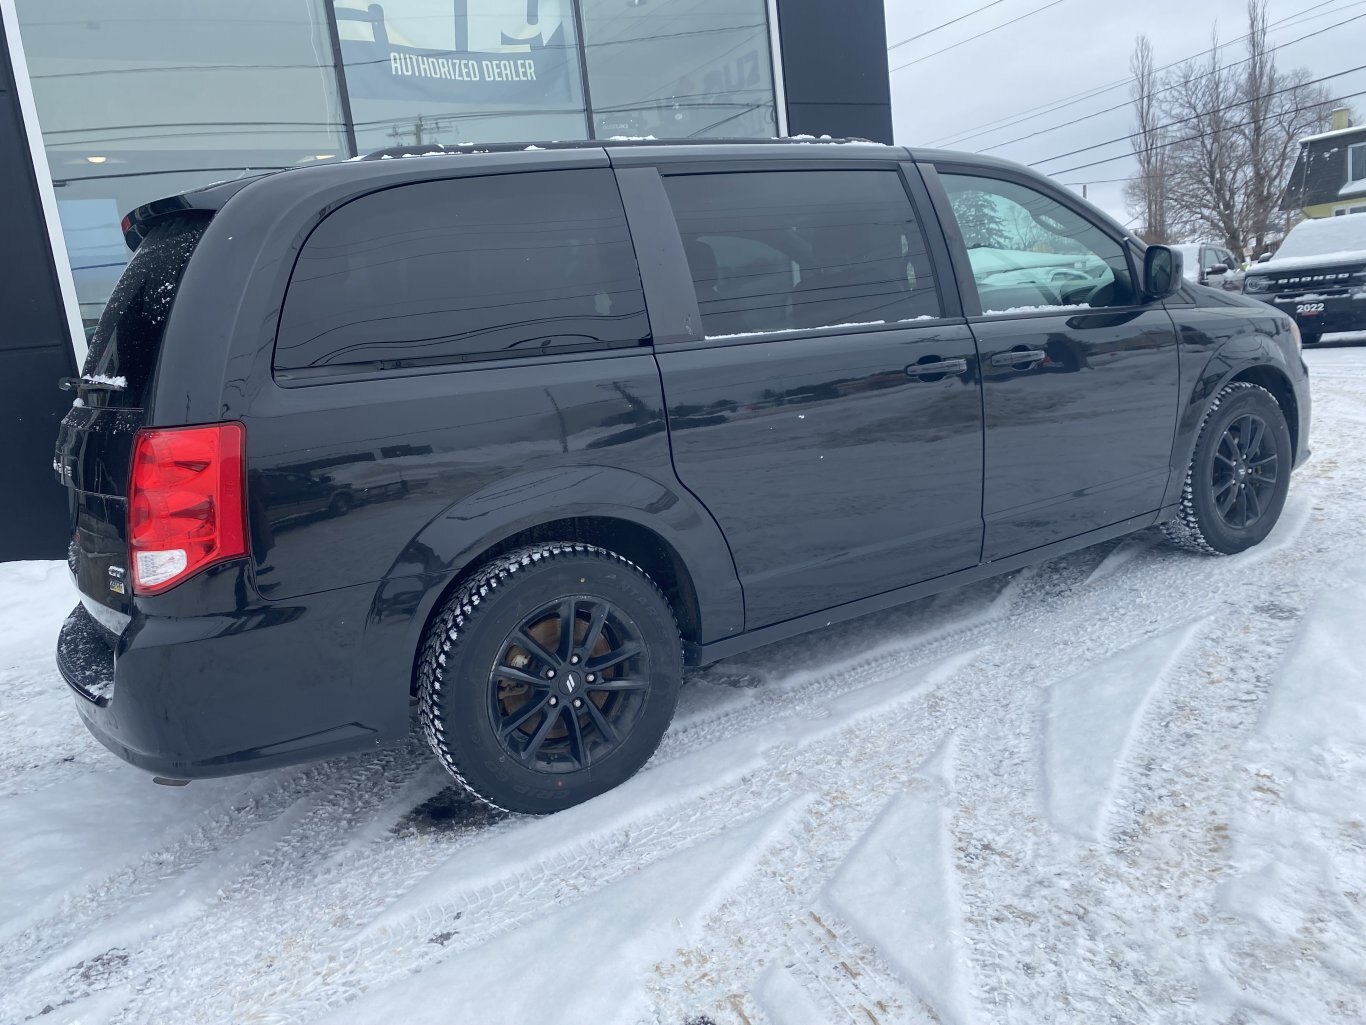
column 1338, row 313
column 193, row 697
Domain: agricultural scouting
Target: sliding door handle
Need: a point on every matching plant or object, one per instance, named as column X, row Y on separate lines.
column 943, row 366
column 1018, row 358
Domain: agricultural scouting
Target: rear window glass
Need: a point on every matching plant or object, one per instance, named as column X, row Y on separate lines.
column 469, row 268
column 790, row 250
column 124, row 348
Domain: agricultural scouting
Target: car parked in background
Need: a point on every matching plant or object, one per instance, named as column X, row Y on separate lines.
column 1205, row 263
column 627, row 406
column 1318, row 276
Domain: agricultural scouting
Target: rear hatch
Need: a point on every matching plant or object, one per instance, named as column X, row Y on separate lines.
column 95, row 442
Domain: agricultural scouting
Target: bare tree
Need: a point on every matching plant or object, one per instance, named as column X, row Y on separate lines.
column 1230, row 134
column 1148, row 192
column 1279, row 110
column 1207, row 172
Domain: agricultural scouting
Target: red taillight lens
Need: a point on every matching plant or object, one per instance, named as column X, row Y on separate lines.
column 186, row 503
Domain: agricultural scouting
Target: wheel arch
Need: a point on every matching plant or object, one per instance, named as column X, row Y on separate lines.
column 1257, row 361
column 663, row 530
column 1274, row 380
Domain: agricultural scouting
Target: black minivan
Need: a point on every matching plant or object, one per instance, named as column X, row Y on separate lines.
column 514, row 435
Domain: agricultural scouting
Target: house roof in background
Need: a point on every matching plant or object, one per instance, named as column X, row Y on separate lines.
column 1320, row 172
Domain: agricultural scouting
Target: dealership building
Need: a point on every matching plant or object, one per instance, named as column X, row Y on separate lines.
column 105, row 106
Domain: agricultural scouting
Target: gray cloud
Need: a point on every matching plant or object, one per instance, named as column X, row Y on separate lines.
column 1074, row 46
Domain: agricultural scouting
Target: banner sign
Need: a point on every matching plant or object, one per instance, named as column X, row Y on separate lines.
column 487, row 53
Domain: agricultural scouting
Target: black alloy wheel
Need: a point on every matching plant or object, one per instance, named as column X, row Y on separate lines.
column 569, row 684
column 549, row 676
column 1238, row 476
column 1245, row 471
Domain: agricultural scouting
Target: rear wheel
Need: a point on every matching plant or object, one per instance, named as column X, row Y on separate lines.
column 1238, row 476
column 549, row 677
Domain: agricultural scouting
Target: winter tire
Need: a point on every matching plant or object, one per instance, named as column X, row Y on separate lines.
column 549, row 677
column 1238, row 477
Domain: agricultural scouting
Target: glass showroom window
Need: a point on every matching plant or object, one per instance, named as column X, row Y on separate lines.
column 438, row 71
column 679, row 68
column 146, row 98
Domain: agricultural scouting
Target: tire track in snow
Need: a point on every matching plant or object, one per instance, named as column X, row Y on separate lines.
column 498, row 891
column 317, row 806
column 42, row 955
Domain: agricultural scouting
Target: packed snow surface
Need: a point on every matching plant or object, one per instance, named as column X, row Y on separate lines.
column 1121, row 786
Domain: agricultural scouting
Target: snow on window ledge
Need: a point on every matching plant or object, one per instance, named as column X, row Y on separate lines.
column 1036, row 309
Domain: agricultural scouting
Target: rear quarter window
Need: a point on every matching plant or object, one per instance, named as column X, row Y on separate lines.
column 465, row 269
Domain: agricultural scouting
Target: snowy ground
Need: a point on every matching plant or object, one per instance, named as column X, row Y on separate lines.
column 1124, row 786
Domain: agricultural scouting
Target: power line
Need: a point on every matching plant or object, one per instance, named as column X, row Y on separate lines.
column 1190, row 138
column 1167, row 89
column 1193, row 117
column 1030, row 113
column 946, row 24
column 979, row 35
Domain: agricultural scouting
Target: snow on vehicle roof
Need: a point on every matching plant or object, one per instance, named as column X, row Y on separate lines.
column 1323, row 238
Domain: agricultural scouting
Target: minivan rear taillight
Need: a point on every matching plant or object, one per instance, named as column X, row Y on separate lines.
column 186, row 503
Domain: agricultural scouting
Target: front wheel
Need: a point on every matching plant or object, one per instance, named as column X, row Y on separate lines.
column 549, row 677
column 1310, row 337
column 1238, row 476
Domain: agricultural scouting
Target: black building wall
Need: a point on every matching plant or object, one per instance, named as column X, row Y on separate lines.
column 35, row 351
column 835, row 68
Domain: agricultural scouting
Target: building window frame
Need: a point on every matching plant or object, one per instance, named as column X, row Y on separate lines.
column 1356, row 162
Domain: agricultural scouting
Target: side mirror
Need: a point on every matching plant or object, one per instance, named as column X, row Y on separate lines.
column 1263, row 258
column 1218, row 268
column 1162, row 267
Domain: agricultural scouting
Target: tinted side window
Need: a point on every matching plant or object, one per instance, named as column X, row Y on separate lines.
column 469, row 268
column 1029, row 251
column 787, row 250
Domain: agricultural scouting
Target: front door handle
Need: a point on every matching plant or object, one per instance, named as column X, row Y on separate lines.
column 944, row 366
column 1018, row 356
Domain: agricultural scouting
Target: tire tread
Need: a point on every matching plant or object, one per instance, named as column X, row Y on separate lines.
column 456, row 618
column 1184, row 530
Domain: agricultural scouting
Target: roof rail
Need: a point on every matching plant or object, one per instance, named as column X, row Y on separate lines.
column 436, row 148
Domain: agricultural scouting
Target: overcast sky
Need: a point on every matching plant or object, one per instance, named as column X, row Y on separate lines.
column 1078, row 45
